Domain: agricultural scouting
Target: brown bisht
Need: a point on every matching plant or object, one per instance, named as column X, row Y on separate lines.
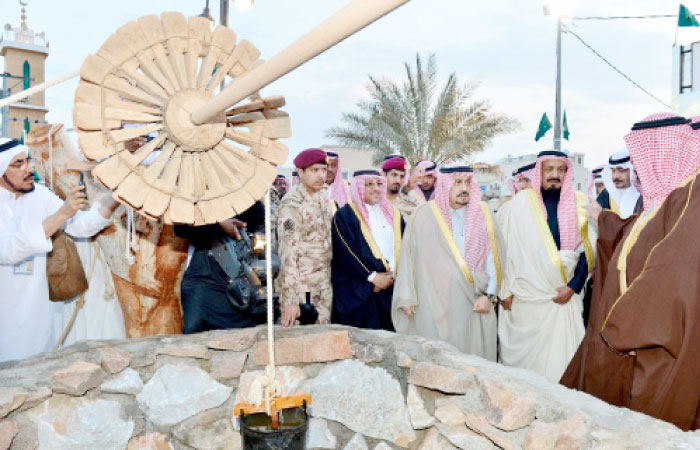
column 642, row 348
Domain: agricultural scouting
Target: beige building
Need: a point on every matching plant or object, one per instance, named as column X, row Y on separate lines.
column 24, row 52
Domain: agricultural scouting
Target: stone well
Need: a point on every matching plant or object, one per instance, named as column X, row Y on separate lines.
column 370, row 389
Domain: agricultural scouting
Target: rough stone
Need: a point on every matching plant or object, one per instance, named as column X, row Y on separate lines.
column 506, row 409
column 463, row 438
column 318, row 347
column 479, row 424
column 288, row 377
column 37, row 396
column 11, row 398
column 65, row 422
column 382, row 446
column 8, row 431
column 126, row 382
column 367, row 353
column 356, row 443
column 236, row 341
column 143, row 361
column 226, row 365
column 215, row 435
column 567, row 435
column 403, row 360
column 440, row 378
column 77, row 378
column 114, row 360
column 434, row 441
column 369, row 401
column 198, row 351
column 420, row 419
column 177, row 392
column 319, row 436
column 450, row 414
column 150, row 441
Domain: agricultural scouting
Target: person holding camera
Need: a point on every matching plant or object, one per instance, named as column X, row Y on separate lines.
column 215, row 293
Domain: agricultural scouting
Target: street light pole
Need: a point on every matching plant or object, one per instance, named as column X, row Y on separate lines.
column 557, row 114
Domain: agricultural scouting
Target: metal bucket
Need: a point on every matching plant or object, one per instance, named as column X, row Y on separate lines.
column 257, row 432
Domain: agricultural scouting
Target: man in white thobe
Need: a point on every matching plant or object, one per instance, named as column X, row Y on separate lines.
column 450, row 269
column 621, row 195
column 548, row 261
column 30, row 216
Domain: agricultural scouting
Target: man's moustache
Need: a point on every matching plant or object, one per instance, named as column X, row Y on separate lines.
column 552, row 180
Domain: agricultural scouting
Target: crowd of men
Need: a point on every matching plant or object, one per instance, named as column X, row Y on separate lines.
column 597, row 292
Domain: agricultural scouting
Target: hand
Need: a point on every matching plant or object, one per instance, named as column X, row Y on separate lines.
column 290, row 314
column 230, row 227
column 564, row 294
column 382, row 280
column 507, row 303
column 482, row 305
column 415, row 178
column 409, row 310
column 594, row 209
column 75, row 201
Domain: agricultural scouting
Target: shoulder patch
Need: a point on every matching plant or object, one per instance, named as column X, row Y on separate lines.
column 288, row 226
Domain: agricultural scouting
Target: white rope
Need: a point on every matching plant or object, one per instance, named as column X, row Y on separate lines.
column 130, row 228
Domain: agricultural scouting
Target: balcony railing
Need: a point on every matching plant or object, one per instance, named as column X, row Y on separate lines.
column 28, row 37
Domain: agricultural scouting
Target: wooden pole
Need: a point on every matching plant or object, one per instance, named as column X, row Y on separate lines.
column 339, row 26
column 38, row 88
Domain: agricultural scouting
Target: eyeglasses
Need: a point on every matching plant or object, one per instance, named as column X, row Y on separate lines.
column 21, row 164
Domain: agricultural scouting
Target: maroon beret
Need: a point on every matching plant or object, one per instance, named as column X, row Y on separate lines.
column 395, row 163
column 309, row 157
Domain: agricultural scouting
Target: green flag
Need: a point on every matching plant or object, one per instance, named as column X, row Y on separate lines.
column 686, row 18
column 566, row 128
column 545, row 125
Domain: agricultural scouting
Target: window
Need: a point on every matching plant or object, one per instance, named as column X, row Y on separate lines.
column 26, row 73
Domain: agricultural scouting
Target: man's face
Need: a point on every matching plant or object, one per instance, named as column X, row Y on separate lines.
column 394, row 180
column 459, row 192
column 524, row 183
column 599, row 187
column 621, row 177
column 428, row 182
column 373, row 190
column 281, row 185
column 19, row 176
column 553, row 171
column 331, row 170
column 313, row 177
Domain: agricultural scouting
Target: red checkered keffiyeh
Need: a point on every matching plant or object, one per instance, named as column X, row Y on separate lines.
column 476, row 238
column 664, row 156
column 339, row 190
column 513, row 182
column 569, row 234
column 425, row 165
column 357, row 193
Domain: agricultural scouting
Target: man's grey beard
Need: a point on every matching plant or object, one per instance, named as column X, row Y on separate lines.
column 20, row 190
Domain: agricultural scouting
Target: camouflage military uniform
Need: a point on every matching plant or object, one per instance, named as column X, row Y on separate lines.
column 304, row 230
column 406, row 204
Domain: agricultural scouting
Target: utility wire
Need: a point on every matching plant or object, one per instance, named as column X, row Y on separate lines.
column 650, row 16
column 568, row 30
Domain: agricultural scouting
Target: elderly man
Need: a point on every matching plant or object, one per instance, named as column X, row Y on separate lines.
column 641, row 346
column 281, row 185
column 304, row 233
column 450, row 268
column 548, row 261
column 620, row 195
column 366, row 246
column 338, row 190
column 31, row 215
column 394, row 170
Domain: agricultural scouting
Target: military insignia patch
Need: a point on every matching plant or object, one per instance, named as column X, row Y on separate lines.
column 288, row 226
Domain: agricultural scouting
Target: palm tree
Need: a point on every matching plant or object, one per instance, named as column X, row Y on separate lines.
column 414, row 120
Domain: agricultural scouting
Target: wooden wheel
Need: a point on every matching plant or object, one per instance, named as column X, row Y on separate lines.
column 132, row 113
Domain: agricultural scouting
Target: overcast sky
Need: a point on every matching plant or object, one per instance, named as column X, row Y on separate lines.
column 506, row 45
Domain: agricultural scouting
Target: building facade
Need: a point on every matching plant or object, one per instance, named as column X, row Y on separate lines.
column 24, row 52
